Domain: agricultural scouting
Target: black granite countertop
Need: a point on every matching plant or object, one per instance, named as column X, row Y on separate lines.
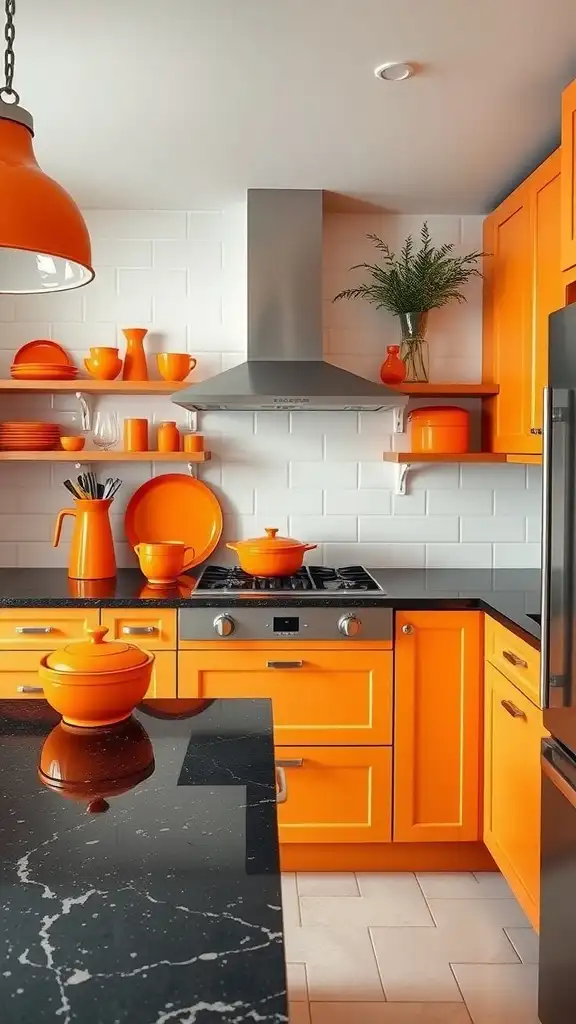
column 159, row 904
column 512, row 595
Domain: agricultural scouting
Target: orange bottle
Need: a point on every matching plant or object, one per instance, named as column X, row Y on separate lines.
column 168, row 437
column 92, row 550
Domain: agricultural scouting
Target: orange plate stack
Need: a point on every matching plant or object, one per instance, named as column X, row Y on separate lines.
column 43, row 360
column 22, row 436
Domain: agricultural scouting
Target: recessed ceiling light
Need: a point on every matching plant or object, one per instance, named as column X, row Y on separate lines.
column 394, row 71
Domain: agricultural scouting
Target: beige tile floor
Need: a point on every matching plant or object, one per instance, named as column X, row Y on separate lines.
column 408, row 949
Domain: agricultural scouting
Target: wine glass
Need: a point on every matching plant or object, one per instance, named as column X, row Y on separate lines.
column 106, row 430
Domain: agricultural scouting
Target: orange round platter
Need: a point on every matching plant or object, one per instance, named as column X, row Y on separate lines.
column 175, row 507
column 42, row 351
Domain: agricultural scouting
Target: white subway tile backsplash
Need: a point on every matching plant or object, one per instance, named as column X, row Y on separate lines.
column 319, row 476
column 417, row 528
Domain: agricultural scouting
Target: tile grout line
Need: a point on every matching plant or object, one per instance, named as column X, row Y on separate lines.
column 386, row 1000
column 428, row 907
column 464, row 1003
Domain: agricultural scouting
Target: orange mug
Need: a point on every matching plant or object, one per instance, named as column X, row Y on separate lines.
column 193, row 442
column 163, row 562
column 175, row 366
column 135, row 435
column 103, row 363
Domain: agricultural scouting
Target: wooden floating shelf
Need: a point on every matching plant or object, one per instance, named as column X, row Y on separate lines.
column 87, row 455
column 97, row 387
column 444, row 457
column 527, row 460
column 447, row 390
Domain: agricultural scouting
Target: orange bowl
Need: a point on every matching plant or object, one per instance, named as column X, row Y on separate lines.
column 95, row 698
column 103, row 363
column 72, row 444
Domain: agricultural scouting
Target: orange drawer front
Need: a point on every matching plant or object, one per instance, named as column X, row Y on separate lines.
column 335, row 794
column 19, row 675
column 163, row 681
column 513, row 657
column 152, row 629
column 319, row 697
column 43, row 629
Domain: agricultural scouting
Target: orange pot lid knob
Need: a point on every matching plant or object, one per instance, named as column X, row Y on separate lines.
column 96, row 655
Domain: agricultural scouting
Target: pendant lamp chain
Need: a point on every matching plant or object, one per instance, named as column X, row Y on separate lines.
column 9, row 57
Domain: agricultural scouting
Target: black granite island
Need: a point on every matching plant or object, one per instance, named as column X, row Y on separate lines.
column 139, row 877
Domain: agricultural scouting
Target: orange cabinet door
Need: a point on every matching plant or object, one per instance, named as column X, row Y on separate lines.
column 335, row 794
column 43, row 629
column 513, row 731
column 437, row 722
column 507, row 323
column 151, row 628
column 548, row 285
column 164, row 675
column 19, row 675
column 568, row 234
column 318, row 697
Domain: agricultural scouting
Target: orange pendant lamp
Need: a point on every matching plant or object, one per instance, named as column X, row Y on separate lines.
column 44, row 242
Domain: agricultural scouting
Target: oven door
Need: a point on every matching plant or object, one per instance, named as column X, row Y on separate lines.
column 557, row 978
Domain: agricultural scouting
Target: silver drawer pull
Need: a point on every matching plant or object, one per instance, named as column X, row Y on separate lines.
column 284, row 664
column 139, row 630
column 29, row 689
column 31, row 630
column 290, row 762
column 514, row 659
column 512, row 709
column 281, row 785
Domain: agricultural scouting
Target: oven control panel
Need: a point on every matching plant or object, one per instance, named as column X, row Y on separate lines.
column 277, row 623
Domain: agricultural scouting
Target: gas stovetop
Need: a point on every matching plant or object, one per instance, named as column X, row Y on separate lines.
column 314, row 580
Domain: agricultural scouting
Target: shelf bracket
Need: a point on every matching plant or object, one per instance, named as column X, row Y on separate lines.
column 193, row 468
column 402, row 470
column 85, row 410
column 398, row 423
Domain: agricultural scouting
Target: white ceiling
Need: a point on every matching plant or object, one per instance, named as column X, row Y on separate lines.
column 183, row 103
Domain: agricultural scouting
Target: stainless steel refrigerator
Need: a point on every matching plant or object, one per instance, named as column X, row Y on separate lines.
column 557, row 972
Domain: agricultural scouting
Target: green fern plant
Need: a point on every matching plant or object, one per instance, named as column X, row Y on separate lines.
column 416, row 281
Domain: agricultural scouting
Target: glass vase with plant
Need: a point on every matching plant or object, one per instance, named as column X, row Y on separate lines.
column 410, row 285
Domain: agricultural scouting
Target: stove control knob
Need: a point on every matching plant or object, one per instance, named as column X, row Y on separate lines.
column 224, row 625
column 349, row 625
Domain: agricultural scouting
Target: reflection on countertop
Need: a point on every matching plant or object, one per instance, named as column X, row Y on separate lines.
column 167, row 906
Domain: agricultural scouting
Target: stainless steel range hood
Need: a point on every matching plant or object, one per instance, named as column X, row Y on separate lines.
column 285, row 368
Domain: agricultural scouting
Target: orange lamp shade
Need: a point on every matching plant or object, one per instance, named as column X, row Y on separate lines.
column 44, row 242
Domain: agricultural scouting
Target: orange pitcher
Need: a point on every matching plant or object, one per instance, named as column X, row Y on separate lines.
column 92, row 549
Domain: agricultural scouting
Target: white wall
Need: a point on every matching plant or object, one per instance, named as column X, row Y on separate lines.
column 319, row 477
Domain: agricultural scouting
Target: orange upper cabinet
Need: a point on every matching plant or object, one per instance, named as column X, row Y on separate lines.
column 522, row 286
column 568, row 235
column 437, row 726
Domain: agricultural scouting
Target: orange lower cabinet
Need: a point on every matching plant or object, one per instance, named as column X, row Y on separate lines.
column 153, row 629
column 437, row 726
column 319, row 697
column 164, row 678
column 43, row 629
column 513, row 732
column 19, row 675
column 335, row 794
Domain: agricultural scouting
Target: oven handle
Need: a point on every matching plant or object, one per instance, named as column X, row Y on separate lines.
column 558, row 780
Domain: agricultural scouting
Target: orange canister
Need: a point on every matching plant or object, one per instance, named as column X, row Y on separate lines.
column 135, row 435
column 439, row 428
column 168, row 438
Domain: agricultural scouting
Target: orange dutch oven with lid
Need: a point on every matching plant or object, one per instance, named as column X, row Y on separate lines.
column 93, row 683
column 271, row 555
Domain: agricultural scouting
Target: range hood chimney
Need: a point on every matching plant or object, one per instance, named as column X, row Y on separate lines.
column 285, row 368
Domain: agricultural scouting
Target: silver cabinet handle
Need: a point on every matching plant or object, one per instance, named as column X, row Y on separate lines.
column 31, row 630
column 290, row 762
column 284, row 664
column 407, row 628
column 514, row 659
column 546, row 538
column 281, row 785
column 139, row 630
column 29, row 689
column 512, row 709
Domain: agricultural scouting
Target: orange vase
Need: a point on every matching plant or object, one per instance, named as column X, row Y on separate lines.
column 135, row 367
column 393, row 369
column 92, row 549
